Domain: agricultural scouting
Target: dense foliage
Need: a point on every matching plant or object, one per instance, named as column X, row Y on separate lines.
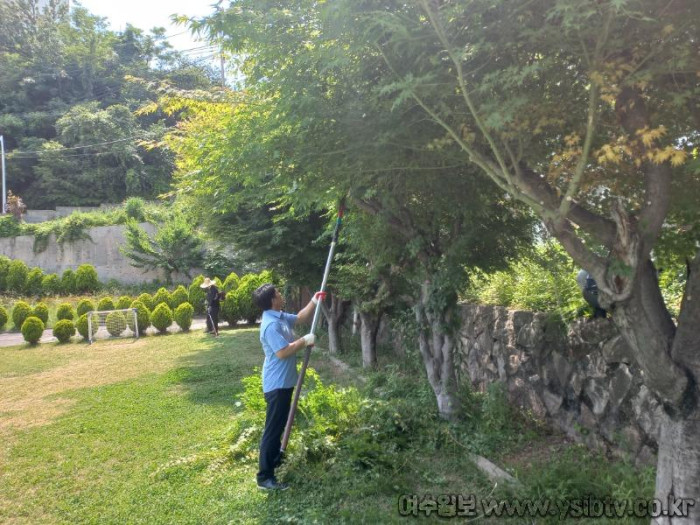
column 67, row 98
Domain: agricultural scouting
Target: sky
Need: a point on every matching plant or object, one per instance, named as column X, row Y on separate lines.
column 146, row 14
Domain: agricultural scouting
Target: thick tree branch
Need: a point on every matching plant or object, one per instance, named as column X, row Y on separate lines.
column 686, row 344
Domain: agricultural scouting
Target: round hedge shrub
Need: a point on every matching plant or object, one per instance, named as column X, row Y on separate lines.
column 82, row 326
column 162, row 317
column 4, row 269
column 51, row 284
column 143, row 317
column 35, row 281
column 3, row 317
column 183, row 316
column 124, row 302
column 231, row 282
column 42, row 312
column 229, row 310
column 146, row 300
column 178, row 297
column 197, row 295
column 116, row 323
column 68, row 281
column 106, row 303
column 32, row 329
column 65, row 311
column 64, row 330
column 244, row 297
column 161, row 296
column 86, row 280
column 20, row 312
column 17, row 276
column 85, row 306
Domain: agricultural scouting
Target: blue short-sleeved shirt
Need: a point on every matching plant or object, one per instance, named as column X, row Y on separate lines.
column 276, row 333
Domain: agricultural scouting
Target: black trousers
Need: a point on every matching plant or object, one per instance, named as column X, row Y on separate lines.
column 278, row 403
column 213, row 319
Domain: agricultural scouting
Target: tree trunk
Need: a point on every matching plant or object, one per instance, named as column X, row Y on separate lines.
column 670, row 359
column 437, row 348
column 369, row 324
column 335, row 317
column 678, row 465
column 355, row 321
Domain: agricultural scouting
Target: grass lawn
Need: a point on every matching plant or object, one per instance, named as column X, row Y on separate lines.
column 128, row 432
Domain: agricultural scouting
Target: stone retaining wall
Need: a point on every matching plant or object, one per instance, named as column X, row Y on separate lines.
column 581, row 378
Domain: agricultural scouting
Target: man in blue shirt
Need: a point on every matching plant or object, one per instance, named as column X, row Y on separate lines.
column 279, row 373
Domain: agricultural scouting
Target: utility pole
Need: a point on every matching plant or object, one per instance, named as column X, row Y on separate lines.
column 223, row 73
column 4, row 191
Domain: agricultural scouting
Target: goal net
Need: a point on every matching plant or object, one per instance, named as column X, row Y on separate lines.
column 112, row 323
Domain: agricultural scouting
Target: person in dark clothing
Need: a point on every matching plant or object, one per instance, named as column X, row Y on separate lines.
column 589, row 288
column 279, row 373
column 213, row 301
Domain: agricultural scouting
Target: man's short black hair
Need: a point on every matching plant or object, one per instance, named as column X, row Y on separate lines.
column 263, row 296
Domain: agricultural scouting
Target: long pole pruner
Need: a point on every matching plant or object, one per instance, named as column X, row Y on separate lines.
column 307, row 354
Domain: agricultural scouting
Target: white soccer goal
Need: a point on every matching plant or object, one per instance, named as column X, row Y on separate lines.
column 113, row 323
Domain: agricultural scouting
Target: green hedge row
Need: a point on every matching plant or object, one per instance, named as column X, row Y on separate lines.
column 158, row 310
column 17, row 278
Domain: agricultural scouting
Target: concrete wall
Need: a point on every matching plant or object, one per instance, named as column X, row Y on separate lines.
column 102, row 252
column 582, row 378
column 35, row 216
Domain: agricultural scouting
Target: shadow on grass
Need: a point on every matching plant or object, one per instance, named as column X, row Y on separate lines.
column 213, row 375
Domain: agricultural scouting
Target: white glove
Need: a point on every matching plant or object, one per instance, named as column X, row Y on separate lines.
column 309, row 339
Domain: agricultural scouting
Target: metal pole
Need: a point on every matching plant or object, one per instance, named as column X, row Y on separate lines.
column 307, row 354
column 4, row 191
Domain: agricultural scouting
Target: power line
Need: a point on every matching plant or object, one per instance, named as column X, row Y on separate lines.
column 19, row 153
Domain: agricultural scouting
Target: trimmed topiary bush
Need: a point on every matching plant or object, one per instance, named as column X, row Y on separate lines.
column 162, row 317
column 35, row 281
column 86, row 280
column 85, row 306
column 68, row 281
column 20, row 312
column 183, row 316
column 231, row 282
column 106, row 303
column 65, row 311
column 146, row 300
column 51, row 284
column 143, row 317
column 32, row 329
column 229, row 310
column 64, row 330
column 42, row 312
column 244, row 297
column 82, row 326
column 17, row 277
column 178, row 297
column 3, row 317
column 124, row 302
column 4, row 269
column 197, row 295
column 116, row 323
column 161, row 296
